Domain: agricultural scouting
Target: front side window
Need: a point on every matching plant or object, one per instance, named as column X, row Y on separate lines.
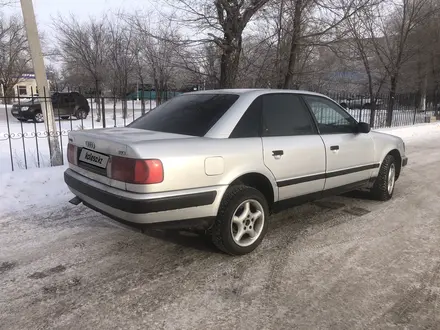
column 190, row 114
column 284, row 114
column 331, row 119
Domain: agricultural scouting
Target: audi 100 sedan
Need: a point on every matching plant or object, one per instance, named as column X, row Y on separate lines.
column 222, row 161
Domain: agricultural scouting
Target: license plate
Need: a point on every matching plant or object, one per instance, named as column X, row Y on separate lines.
column 94, row 158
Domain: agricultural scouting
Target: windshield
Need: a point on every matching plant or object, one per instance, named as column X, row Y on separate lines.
column 190, row 114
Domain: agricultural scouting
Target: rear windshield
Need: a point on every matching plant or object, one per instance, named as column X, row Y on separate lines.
column 190, row 114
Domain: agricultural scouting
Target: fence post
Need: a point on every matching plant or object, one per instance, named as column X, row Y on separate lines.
column 103, row 112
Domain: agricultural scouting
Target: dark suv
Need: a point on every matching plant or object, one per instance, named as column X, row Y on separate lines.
column 64, row 105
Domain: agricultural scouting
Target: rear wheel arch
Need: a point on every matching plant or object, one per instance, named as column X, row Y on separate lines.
column 258, row 181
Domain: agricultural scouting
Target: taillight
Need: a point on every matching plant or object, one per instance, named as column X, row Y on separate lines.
column 71, row 154
column 138, row 171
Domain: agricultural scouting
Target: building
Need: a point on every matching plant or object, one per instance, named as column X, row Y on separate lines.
column 26, row 86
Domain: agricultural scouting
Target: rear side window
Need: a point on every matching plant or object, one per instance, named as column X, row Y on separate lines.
column 285, row 115
column 190, row 114
column 249, row 124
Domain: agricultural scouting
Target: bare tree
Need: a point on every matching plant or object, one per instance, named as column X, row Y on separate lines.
column 223, row 22
column 158, row 51
column 14, row 53
column 122, row 59
column 4, row 3
column 201, row 63
column 85, row 45
column 140, row 68
column 391, row 35
column 314, row 22
column 56, row 78
column 359, row 47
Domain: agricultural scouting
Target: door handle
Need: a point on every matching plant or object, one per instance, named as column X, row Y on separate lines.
column 334, row 148
column 277, row 152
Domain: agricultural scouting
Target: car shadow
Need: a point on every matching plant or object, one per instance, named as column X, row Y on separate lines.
column 358, row 194
column 183, row 238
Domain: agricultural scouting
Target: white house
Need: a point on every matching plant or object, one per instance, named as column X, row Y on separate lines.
column 26, row 86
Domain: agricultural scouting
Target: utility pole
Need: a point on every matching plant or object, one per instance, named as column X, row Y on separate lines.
column 42, row 84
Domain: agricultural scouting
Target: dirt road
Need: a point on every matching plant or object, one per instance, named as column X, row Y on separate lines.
column 341, row 263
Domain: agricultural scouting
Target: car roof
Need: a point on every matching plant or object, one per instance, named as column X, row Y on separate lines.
column 258, row 91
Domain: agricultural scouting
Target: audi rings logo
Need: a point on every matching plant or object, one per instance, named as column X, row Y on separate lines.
column 90, row 144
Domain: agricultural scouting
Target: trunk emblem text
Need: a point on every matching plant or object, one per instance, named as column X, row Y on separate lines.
column 90, row 144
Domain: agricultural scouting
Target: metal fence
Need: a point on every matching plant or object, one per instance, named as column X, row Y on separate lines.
column 24, row 140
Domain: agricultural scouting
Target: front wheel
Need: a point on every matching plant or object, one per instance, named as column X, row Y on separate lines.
column 81, row 114
column 38, row 117
column 241, row 222
column 383, row 187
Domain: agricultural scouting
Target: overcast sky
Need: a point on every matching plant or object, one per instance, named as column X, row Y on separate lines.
column 45, row 9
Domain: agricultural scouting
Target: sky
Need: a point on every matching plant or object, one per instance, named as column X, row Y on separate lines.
column 46, row 9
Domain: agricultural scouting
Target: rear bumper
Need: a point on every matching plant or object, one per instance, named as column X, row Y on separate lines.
column 176, row 209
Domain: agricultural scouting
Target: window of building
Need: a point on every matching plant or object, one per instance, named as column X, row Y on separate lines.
column 22, row 90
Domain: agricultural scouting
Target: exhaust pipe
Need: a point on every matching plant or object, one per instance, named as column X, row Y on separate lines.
column 75, row 200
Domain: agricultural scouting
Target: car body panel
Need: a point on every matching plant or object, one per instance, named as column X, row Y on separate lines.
column 289, row 168
column 307, row 167
column 354, row 158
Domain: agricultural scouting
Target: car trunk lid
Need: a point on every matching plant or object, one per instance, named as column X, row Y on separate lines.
column 94, row 149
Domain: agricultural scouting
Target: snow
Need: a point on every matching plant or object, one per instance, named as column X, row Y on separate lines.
column 34, row 188
column 419, row 131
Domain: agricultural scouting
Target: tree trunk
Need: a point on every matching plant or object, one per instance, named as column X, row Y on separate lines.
column 423, row 92
column 98, row 103
column 294, row 46
column 372, row 104
column 230, row 60
column 278, row 63
column 158, row 92
column 9, row 94
column 124, row 99
column 391, row 100
column 141, row 79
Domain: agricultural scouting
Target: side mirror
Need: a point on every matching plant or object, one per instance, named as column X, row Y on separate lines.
column 363, row 127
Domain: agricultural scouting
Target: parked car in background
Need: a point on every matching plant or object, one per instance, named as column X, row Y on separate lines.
column 65, row 105
column 360, row 103
column 223, row 160
column 150, row 95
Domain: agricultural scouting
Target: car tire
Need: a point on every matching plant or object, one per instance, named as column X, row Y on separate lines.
column 383, row 187
column 38, row 117
column 64, row 117
column 241, row 222
column 81, row 114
